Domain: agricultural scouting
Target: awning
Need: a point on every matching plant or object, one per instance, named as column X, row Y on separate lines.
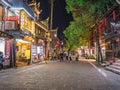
column 23, row 41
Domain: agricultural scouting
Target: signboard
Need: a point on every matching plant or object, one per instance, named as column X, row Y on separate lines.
column 10, row 25
column 34, row 51
column 7, row 52
column 7, row 49
column 11, row 18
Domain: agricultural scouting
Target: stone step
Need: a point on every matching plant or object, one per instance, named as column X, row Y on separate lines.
column 117, row 61
column 114, row 66
column 113, row 69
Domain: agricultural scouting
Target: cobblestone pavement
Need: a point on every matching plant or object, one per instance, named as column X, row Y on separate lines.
column 81, row 75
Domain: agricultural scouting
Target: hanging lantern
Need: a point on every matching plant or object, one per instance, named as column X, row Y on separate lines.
column 99, row 27
column 105, row 21
column 114, row 15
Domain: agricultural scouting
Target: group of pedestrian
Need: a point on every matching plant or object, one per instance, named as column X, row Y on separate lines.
column 68, row 55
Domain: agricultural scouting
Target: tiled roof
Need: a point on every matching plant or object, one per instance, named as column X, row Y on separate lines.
column 21, row 4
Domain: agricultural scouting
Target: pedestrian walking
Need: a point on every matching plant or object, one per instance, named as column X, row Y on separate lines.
column 77, row 56
column 66, row 55
column 70, row 56
column 61, row 56
column 45, row 59
column 54, row 55
column 1, row 60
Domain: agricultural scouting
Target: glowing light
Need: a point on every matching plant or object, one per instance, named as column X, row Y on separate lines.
column 23, row 41
column 33, row 28
column 26, row 22
column 11, row 18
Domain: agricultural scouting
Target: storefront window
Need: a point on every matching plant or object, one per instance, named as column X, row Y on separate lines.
column 23, row 51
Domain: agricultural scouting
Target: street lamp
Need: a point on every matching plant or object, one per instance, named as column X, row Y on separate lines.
column 55, row 35
column 51, row 13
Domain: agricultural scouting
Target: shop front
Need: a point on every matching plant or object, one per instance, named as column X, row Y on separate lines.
column 38, row 52
column 5, row 47
column 19, row 23
column 24, row 42
column 109, row 50
column 41, row 52
column 23, row 52
column 112, row 40
column 5, row 40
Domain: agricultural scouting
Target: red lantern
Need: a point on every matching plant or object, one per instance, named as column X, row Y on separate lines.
column 99, row 27
column 114, row 15
column 105, row 21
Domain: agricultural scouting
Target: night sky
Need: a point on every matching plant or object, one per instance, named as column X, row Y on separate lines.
column 60, row 17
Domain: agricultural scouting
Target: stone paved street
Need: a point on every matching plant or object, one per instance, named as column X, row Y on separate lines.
column 81, row 75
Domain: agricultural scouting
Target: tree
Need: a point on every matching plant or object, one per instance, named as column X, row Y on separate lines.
column 78, row 32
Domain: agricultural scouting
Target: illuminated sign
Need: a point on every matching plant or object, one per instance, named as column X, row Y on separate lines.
column 8, row 18
column 27, row 23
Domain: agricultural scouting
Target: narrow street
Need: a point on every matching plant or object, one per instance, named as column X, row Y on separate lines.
column 83, row 75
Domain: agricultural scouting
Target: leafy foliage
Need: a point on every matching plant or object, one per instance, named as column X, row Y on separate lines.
column 83, row 12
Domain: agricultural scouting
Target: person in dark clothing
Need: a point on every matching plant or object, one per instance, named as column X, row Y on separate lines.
column 66, row 55
column 77, row 56
column 1, row 60
column 70, row 56
column 54, row 55
column 61, row 56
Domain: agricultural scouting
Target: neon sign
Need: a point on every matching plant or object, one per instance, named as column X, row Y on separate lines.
column 9, row 18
